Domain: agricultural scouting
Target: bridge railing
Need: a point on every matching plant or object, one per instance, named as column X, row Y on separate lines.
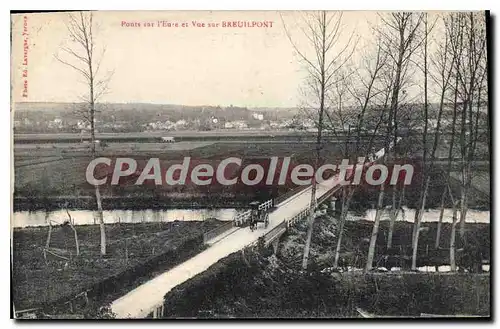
column 283, row 226
column 217, row 231
column 303, row 213
column 276, row 231
column 266, row 205
column 242, row 218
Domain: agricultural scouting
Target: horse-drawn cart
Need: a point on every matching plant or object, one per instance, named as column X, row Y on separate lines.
column 258, row 215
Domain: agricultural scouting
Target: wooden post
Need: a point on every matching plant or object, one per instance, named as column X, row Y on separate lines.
column 275, row 245
column 333, row 203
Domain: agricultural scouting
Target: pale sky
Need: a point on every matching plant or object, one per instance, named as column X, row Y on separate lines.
column 254, row 67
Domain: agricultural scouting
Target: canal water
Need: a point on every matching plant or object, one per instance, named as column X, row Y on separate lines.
column 82, row 217
column 441, row 268
column 430, row 215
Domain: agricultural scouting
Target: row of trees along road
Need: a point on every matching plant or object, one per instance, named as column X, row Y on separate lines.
column 351, row 91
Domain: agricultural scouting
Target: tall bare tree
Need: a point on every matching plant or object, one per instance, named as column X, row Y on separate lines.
column 467, row 63
column 400, row 40
column 356, row 119
column 428, row 159
column 466, row 44
column 469, row 43
column 444, row 61
column 82, row 55
column 323, row 32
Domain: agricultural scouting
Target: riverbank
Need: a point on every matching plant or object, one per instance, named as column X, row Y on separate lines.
column 220, row 198
column 257, row 283
column 59, row 280
column 133, row 202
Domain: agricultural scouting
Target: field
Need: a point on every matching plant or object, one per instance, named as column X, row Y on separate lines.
column 44, row 171
column 47, row 170
column 356, row 242
column 25, row 152
column 158, row 134
column 255, row 283
column 43, row 281
column 59, row 169
column 155, row 136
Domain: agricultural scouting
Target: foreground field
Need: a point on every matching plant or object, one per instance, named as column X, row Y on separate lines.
column 135, row 253
column 255, row 283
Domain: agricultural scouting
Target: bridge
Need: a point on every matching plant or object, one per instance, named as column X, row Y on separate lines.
column 147, row 299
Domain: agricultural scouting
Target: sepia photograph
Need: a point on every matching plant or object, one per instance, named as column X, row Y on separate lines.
column 250, row 164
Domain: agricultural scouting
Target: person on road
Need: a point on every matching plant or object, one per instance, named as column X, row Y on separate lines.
column 252, row 224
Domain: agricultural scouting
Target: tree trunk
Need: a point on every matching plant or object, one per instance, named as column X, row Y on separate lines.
column 346, row 200
column 463, row 212
column 417, row 226
column 49, row 234
column 77, row 243
column 376, row 224
column 101, row 220
column 394, row 214
column 97, row 192
column 440, row 222
column 452, row 240
column 415, row 221
column 307, row 248
column 392, row 219
column 340, row 233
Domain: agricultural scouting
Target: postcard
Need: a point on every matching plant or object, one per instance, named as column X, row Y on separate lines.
column 250, row 164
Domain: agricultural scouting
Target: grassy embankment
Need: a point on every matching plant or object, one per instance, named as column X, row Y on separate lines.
column 135, row 253
column 52, row 177
column 255, row 283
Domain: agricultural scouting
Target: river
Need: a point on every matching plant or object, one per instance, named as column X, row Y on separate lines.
column 82, row 217
column 430, row 215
